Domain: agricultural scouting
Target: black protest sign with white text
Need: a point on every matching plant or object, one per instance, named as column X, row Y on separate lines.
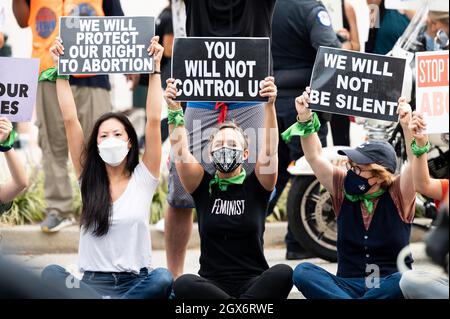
column 104, row 45
column 357, row 84
column 220, row 69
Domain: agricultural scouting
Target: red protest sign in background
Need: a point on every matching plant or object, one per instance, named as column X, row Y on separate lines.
column 432, row 89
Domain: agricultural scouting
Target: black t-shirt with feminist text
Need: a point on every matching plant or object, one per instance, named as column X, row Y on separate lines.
column 225, row 18
column 231, row 226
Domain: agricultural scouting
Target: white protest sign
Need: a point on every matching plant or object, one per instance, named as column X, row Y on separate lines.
column 432, row 90
column 18, row 87
column 433, row 5
column 334, row 8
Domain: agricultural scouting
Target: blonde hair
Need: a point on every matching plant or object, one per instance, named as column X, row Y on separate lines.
column 234, row 126
column 382, row 173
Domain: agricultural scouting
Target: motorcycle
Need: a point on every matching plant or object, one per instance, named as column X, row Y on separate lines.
column 309, row 206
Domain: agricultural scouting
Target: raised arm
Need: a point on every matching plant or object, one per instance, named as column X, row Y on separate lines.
column 423, row 183
column 267, row 164
column 19, row 177
column 354, row 34
column 406, row 180
column 189, row 169
column 21, row 11
column 311, row 145
column 74, row 132
column 152, row 153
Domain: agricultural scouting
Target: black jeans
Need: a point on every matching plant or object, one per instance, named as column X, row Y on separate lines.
column 274, row 283
column 288, row 152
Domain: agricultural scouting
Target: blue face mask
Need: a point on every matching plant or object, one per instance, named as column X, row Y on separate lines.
column 355, row 184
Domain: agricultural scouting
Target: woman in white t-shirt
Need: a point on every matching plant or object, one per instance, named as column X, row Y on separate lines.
column 117, row 191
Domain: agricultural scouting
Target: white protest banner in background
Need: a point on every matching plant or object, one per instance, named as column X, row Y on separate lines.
column 432, row 89
column 18, row 87
column 433, row 5
column 104, row 45
column 334, row 8
column 220, row 69
column 358, row 84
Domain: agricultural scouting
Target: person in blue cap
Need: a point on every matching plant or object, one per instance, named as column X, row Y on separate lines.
column 374, row 209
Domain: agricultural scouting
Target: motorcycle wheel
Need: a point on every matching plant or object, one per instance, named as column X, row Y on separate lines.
column 311, row 217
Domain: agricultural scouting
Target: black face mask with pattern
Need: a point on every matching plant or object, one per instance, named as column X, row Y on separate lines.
column 227, row 159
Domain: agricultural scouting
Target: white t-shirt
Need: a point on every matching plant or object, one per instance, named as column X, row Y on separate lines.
column 127, row 245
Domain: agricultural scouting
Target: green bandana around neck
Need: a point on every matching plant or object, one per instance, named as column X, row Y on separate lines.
column 367, row 199
column 223, row 183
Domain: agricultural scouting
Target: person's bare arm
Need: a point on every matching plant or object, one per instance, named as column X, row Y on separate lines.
column 354, row 35
column 168, row 45
column 21, row 11
column 189, row 169
column 74, row 131
column 19, row 179
column 406, row 180
column 423, row 183
column 2, row 40
column 312, row 147
column 152, row 153
column 266, row 169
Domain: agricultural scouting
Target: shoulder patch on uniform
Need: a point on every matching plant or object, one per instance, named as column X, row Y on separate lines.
column 324, row 18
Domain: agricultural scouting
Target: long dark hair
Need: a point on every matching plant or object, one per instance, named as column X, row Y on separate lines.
column 95, row 193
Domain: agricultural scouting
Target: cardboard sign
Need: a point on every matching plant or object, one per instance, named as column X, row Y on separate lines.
column 433, row 5
column 357, row 84
column 334, row 8
column 18, row 87
column 432, row 90
column 220, row 69
column 104, row 45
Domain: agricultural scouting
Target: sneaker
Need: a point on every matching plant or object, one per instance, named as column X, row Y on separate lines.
column 298, row 255
column 53, row 223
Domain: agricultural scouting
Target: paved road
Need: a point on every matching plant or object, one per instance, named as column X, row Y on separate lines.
column 274, row 256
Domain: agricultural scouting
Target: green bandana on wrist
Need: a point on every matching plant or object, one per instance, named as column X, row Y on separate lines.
column 223, row 183
column 175, row 117
column 9, row 142
column 51, row 75
column 302, row 129
column 367, row 199
column 419, row 151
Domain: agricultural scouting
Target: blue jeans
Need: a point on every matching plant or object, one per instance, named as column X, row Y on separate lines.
column 156, row 284
column 316, row 283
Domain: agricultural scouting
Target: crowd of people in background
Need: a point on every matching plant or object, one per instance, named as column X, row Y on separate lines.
column 373, row 204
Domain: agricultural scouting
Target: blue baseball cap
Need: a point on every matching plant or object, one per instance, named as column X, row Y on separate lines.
column 373, row 152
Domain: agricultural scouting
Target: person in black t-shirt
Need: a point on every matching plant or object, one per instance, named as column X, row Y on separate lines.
column 231, row 208
column 211, row 18
column 224, row 18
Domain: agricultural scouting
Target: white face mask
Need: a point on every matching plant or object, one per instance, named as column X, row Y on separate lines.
column 113, row 151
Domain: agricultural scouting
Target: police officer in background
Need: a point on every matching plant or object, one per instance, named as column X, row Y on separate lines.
column 299, row 28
